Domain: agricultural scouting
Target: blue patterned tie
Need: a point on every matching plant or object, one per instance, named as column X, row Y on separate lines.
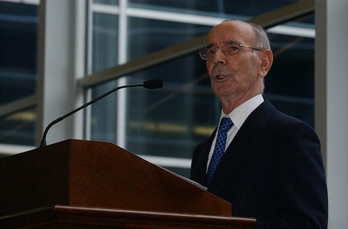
column 220, row 145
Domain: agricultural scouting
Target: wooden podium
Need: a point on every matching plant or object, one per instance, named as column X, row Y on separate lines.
column 88, row 184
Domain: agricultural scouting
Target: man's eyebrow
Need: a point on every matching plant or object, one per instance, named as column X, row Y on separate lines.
column 226, row 42
column 210, row 45
column 232, row 42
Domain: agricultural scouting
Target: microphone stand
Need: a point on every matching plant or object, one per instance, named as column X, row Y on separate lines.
column 43, row 141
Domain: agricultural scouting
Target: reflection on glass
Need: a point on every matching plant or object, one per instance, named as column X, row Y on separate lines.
column 18, row 73
column 107, row 2
column 18, row 51
column 18, row 128
column 223, row 9
column 292, row 91
column 146, row 36
column 105, row 41
column 170, row 121
column 104, row 113
column 105, row 55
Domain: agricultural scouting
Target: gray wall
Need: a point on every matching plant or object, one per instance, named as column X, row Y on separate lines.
column 331, row 102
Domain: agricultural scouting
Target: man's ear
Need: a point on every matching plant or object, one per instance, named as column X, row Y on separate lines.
column 266, row 57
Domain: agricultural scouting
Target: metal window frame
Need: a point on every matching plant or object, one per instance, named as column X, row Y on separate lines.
column 267, row 20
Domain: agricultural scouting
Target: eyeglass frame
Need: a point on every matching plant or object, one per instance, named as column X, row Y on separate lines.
column 216, row 47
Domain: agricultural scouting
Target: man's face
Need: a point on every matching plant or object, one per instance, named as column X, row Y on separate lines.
column 238, row 75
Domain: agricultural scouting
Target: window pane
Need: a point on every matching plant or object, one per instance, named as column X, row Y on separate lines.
column 104, row 115
column 19, row 128
column 105, row 55
column 108, row 2
column 222, row 9
column 18, row 51
column 105, row 41
column 169, row 122
column 18, row 69
column 292, row 91
column 147, row 36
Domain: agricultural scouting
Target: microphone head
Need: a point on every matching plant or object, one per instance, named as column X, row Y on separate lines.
column 153, row 84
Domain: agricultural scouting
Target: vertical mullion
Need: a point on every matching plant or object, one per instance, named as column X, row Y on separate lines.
column 89, row 28
column 122, row 58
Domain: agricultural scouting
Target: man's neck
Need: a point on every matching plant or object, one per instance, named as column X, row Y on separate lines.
column 230, row 103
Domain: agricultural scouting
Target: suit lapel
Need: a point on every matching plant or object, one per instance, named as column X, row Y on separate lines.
column 202, row 160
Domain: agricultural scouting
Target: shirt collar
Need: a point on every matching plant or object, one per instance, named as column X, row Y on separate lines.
column 241, row 113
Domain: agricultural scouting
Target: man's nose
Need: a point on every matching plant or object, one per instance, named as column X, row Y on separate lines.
column 219, row 57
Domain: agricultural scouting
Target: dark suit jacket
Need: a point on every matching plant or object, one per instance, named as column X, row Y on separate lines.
column 272, row 171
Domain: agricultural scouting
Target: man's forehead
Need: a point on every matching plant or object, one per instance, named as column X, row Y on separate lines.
column 230, row 30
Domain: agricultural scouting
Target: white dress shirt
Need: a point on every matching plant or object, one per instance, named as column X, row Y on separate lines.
column 238, row 116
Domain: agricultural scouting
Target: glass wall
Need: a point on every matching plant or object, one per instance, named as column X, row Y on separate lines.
column 292, row 91
column 219, row 8
column 18, row 69
column 165, row 125
column 105, row 54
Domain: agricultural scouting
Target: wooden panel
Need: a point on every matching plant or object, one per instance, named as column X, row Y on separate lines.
column 104, row 175
column 34, row 179
column 99, row 175
column 66, row 217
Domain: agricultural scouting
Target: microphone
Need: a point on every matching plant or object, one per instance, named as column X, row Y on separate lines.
column 149, row 84
column 153, row 84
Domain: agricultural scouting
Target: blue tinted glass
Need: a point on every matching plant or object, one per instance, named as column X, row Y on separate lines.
column 18, row 69
column 104, row 113
column 18, row 128
column 105, row 55
column 225, row 8
column 18, row 55
column 292, row 91
column 105, row 41
column 146, row 36
column 108, row 2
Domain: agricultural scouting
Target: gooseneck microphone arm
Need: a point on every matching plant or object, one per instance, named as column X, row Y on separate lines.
column 150, row 84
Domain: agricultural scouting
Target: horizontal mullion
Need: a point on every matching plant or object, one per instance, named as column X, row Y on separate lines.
column 173, row 17
column 18, row 105
column 105, row 9
column 29, row 2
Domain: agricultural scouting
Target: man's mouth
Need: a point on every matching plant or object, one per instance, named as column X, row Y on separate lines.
column 220, row 76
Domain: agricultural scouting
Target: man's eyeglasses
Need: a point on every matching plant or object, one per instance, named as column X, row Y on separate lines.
column 230, row 48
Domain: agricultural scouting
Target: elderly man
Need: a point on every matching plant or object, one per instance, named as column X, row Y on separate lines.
column 266, row 164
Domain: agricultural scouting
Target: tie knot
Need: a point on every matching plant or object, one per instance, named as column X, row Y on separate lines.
column 226, row 124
